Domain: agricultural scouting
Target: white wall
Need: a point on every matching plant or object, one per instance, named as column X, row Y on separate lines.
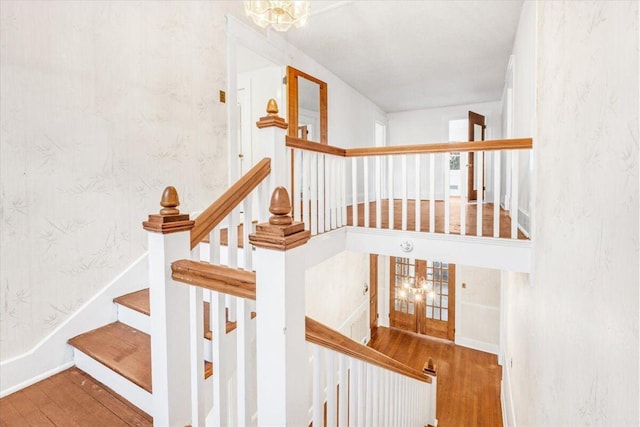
column 432, row 126
column 478, row 308
column 573, row 328
column 524, row 94
column 334, row 290
column 103, row 105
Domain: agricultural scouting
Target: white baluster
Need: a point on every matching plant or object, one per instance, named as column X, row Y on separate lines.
column 353, row 392
column 362, row 390
column 344, row 390
column 404, row 191
column 376, row 406
column 318, row 407
column 479, row 190
column 447, row 200
column 343, row 188
column 220, row 371
column 327, row 192
column 496, row 193
column 369, row 402
column 365, row 172
column 464, row 164
column 418, row 206
column 378, row 184
column 332, row 398
column 214, row 245
column 314, row 193
column 247, row 229
column 306, row 175
column 297, row 187
column 321, row 193
column 390, row 194
column 232, row 258
column 196, row 328
column 515, row 181
column 244, row 368
column 432, row 193
column 334, row 192
column 354, row 191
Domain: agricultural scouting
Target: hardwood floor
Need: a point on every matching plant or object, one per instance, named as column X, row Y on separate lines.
column 454, row 217
column 468, row 380
column 70, row 398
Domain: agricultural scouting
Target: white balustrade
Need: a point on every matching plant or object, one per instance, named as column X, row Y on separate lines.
column 357, row 393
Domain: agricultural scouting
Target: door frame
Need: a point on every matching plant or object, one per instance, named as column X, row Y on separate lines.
column 474, row 119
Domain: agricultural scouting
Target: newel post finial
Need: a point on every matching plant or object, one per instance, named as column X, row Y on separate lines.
column 272, row 119
column 169, row 220
column 281, row 232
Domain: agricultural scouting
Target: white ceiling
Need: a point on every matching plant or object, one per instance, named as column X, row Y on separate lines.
column 408, row 55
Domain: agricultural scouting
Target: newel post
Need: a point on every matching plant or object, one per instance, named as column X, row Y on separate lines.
column 272, row 141
column 282, row 353
column 169, row 241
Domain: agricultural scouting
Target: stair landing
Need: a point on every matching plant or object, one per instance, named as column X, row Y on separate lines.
column 70, row 398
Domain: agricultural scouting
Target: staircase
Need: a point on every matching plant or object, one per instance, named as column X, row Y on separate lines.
column 119, row 354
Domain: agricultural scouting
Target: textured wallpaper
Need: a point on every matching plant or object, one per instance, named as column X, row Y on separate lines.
column 573, row 332
column 103, row 104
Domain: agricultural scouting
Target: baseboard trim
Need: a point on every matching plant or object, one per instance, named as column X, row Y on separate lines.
column 477, row 345
column 36, row 379
column 506, row 396
column 53, row 354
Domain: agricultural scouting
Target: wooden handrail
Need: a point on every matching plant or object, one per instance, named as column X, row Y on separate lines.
column 303, row 144
column 442, row 147
column 219, row 278
column 324, row 336
column 218, row 210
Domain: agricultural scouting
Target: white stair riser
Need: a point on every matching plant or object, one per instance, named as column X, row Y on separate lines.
column 141, row 322
column 134, row 318
column 125, row 388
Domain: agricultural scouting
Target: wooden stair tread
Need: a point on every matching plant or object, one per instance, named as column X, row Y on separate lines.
column 139, row 301
column 124, row 350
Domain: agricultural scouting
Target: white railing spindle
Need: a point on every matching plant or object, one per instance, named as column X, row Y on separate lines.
column 314, row 194
column 447, row 200
column 306, row 175
column 297, row 186
column 390, row 194
column 418, row 207
column 515, row 174
column 496, row 193
column 404, row 191
column 332, row 397
column 343, row 397
column 378, row 185
column 464, row 159
column 321, row 193
column 354, row 191
column 365, row 180
column 318, row 407
column 479, row 156
column 432, row 193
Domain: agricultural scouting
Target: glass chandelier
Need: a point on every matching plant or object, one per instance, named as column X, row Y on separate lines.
column 417, row 288
column 281, row 15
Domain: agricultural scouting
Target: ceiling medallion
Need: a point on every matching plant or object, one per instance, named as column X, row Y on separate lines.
column 280, row 15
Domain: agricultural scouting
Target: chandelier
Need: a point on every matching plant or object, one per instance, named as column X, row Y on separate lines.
column 417, row 288
column 281, row 15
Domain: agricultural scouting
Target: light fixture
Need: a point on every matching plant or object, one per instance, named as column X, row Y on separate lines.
column 417, row 288
column 281, row 15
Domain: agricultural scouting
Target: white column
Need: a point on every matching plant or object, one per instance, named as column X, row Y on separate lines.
column 169, row 303
column 282, row 353
column 273, row 140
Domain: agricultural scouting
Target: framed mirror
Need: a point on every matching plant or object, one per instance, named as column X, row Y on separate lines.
column 306, row 106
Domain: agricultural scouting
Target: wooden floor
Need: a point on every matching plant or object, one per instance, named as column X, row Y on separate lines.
column 70, row 398
column 468, row 380
column 454, row 217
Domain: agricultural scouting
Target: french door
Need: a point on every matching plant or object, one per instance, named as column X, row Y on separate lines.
column 422, row 297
